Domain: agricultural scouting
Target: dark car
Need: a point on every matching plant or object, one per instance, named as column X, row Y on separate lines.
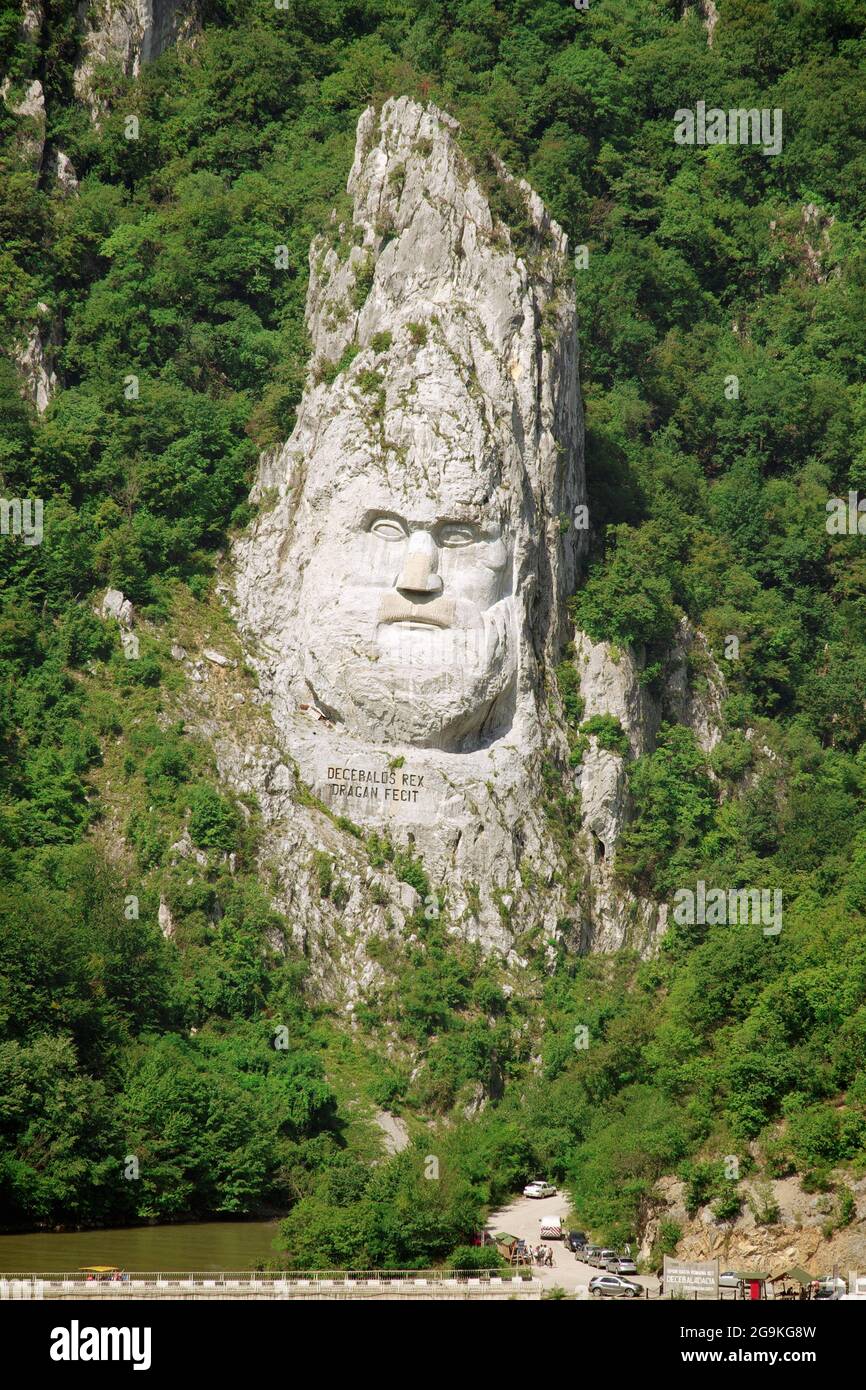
column 575, row 1240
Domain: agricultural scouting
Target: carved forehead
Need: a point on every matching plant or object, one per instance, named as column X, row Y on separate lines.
column 357, row 496
column 408, row 428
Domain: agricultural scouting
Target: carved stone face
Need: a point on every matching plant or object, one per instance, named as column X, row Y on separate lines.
column 419, row 496
column 406, row 609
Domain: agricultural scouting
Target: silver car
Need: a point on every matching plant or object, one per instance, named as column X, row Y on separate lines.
column 612, row 1286
column 622, row 1264
column 539, row 1189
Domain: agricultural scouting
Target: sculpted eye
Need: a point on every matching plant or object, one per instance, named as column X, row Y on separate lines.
column 388, row 529
column 455, row 534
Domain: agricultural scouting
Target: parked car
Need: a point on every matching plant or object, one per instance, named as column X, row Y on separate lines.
column 729, row 1280
column 575, row 1240
column 612, row 1286
column 539, row 1189
column 621, row 1264
column 828, row 1287
column 550, row 1226
column 591, row 1254
column 602, row 1258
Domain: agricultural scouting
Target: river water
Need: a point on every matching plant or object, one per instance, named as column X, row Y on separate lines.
column 203, row 1245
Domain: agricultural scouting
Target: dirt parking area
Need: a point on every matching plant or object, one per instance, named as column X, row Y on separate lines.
column 522, row 1218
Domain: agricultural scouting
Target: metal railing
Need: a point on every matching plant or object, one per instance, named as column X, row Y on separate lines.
column 263, row 1283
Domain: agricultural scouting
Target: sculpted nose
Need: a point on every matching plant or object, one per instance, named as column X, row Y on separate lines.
column 420, row 563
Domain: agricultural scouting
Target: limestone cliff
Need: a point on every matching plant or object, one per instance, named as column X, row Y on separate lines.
column 610, row 684
column 780, row 1226
column 35, row 359
column 128, row 33
column 401, row 593
column 28, row 104
column 403, row 589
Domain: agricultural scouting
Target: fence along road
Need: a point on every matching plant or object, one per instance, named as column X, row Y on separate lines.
column 309, row 1284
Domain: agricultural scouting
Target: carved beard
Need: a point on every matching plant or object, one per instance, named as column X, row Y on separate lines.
column 432, row 687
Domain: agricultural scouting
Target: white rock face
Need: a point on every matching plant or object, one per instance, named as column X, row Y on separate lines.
column 407, row 584
column 217, row 658
column 610, row 684
column 402, row 591
column 129, row 33
column 115, row 605
column 165, row 919
column 395, row 578
column 35, row 360
column 32, row 18
column 64, row 172
column 29, row 105
column 697, row 704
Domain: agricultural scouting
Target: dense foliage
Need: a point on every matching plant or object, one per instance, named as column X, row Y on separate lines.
column 182, row 355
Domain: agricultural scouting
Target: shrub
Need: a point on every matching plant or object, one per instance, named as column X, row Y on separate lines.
column 608, row 732
column 213, row 821
column 475, row 1257
column 411, row 871
column 324, row 866
column 568, row 684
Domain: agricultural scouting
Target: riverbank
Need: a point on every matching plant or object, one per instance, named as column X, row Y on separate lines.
column 201, row 1245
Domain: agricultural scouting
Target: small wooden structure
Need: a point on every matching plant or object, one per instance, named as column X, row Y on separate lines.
column 794, row 1283
column 509, row 1248
column 753, row 1285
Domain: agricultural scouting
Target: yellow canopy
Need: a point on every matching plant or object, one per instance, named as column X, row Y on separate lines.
column 99, row 1269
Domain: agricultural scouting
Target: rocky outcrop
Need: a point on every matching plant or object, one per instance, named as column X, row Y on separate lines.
column 394, row 1131
column 115, row 605
column 23, row 95
column 403, row 591
column 28, row 103
column 803, row 238
column 401, row 594
column 64, row 173
column 709, row 17
column 165, row 919
column 610, row 683
column 128, row 33
column 35, row 359
column 801, row 1232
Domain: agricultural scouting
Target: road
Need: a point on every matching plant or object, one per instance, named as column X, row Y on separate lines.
column 522, row 1218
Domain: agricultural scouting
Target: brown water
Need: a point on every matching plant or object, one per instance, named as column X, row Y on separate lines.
column 204, row 1245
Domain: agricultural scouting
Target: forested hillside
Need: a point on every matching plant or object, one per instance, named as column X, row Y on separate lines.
column 704, row 265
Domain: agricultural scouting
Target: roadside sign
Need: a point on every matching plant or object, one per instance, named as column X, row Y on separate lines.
column 691, row 1277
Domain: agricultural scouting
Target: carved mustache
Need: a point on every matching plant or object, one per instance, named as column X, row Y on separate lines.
column 395, row 608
